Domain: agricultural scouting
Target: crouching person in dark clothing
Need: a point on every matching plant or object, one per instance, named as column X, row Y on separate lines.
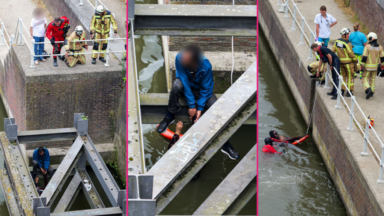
column 41, row 162
column 194, row 81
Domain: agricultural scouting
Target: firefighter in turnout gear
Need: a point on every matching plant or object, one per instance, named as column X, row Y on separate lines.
column 312, row 68
column 75, row 47
column 100, row 29
column 373, row 55
column 348, row 60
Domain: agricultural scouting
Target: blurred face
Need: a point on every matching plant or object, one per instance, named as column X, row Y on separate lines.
column 41, row 153
column 187, row 62
column 58, row 23
column 347, row 36
column 316, row 49
column 323, row 13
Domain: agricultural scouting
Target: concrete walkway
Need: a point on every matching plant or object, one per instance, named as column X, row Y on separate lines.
column 10, row 11
column 371, row 107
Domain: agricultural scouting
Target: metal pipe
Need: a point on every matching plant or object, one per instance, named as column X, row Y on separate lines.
column 12, row 41
column 366, row 136
column 380, row 180
column 310, row 51
column 339, row 93
column 294, row 17
column 2, row 39
column 21, row 32
column 327, row 78
column 81, row 3
column 286, row 9
column 279, row 3
column 350, row 128
column 32, row 55
column 302, row 32
column 96, row 3
column 282, row 8
column 107, row 57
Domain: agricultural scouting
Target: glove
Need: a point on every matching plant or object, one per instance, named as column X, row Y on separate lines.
column 53, row 41
column 115, row 32
column 317, row 39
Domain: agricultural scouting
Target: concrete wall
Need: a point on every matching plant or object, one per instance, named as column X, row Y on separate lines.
column 342, row 158
column 49, row 101
column 223, row 2
column 120, row 139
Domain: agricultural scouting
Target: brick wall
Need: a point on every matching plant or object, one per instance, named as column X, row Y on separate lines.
column 13, row 86
column 222, row 44
column 371, row 13
column 120, row 140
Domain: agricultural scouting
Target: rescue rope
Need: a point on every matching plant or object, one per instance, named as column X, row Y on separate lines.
column 310, row 116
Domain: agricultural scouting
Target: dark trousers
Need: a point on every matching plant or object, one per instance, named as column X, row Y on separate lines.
column 36, row 168
column 177, row 91
column 335, row 75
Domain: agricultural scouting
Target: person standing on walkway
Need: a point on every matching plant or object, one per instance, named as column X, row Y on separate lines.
column 57, row 31
column 324, row 22
column 75, row 47
column 359, row 41
column 348, row 60
column 326, row 55
column 373, row 55
column 100, row 27
column 37, row 30
column 194, row 80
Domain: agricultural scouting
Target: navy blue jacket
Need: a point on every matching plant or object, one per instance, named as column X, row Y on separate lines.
column 44, row 160
column 203, row 81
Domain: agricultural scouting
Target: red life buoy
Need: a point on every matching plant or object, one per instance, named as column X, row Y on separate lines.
column 169, row 134
column 300, row 140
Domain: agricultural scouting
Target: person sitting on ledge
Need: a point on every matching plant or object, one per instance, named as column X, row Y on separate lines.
column 41, row 161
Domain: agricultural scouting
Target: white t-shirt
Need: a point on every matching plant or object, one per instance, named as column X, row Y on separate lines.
column 325, row 23
column 38, row 27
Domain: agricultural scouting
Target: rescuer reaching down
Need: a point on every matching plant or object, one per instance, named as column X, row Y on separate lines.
column 326, row 55
column 348, row 61
column 373, row 55
column 100, row 27
column 57, row 31
column 75, row 47
column 41, row 162
column 194, row 80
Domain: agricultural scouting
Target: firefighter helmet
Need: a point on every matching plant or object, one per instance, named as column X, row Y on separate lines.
column 79, row 30
column 372, row 36
column 100, row 9
column 345, row 31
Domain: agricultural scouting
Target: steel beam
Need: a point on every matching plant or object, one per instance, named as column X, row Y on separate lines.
column 208, row 153
column 113, row 211
column 63, row 171
column 47, row 135
column 242, row 199
column 9, row 196
column 203, row 132
column 102, row 173
column 136, row 159
column 195, row 20
column 20, row 176
column 229, row 189
column 69, row 195
column 92, row 196
column 140, row 195
column 154, row 105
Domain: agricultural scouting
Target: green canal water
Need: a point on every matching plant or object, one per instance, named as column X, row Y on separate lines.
column 289, row 184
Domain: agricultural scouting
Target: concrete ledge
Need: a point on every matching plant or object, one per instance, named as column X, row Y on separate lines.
column 106, row 150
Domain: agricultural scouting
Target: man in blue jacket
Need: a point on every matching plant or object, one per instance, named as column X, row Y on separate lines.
column 41, row 161
column 194, row 80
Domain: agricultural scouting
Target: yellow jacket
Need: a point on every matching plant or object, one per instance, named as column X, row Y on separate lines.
column 372, row 56
column 101, row 23
column 343, row 50
column 75, row 43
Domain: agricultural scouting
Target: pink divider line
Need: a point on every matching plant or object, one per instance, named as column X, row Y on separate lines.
column 126, row 103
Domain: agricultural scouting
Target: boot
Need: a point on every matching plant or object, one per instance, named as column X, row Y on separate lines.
column 62, row 58
column 93, row 60
column 55, row 62
column 342, row 92
column 334, row 97
column 330, row 93
column 369, row 93
column 349, row 95
column 102, row 59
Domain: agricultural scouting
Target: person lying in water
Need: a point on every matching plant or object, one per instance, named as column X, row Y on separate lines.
column 293, row 140
column 269, row 146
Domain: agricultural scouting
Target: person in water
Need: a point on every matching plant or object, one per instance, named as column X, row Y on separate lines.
column 279, row 138
column 268, row 147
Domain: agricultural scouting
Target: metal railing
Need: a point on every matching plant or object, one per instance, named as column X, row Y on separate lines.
column 351, row 109
column 3, row 33
column 20, row 36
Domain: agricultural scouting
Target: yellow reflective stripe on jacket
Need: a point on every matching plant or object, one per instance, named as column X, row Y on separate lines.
column 93, row 22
